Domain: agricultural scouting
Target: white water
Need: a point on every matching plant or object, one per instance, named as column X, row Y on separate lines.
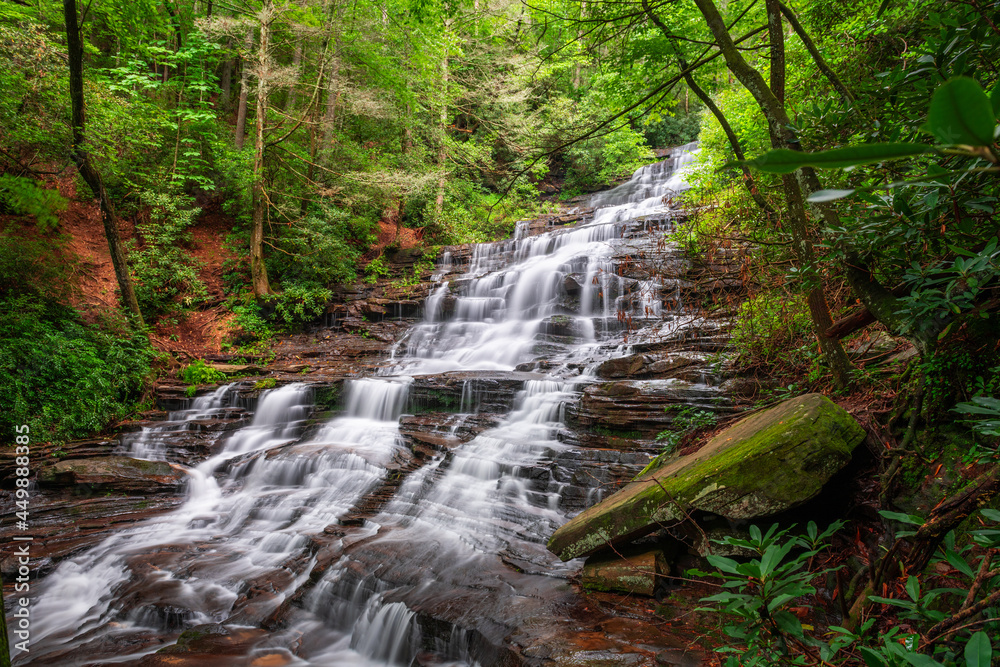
column 256, row 510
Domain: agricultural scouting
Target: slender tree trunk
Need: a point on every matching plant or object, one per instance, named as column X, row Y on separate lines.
column 816, row 55
column 443, row 122
column 296, row 63
column 86, row 168
column 241, row 110
column 226, row 79
column 259, row 203
column 770, row 102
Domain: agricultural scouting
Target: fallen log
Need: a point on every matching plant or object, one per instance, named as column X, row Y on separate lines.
column 858, row 318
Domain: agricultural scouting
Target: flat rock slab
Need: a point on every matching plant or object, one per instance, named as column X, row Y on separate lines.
column 118, row 473
column 638, row 573
column 762, row 465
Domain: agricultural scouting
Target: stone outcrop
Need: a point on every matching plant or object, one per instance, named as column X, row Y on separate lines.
column 767, row 463
column 642, row 408
column 117, row 473
column 638, row 573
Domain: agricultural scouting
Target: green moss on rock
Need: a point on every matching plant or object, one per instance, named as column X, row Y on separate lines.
column 764, row 464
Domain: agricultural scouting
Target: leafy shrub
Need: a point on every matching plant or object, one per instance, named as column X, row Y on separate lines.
column 166, row 278
column 299, row 304
column 28, row 267
column 250, row 323
column 63, row 378
column 758, row 595
column 23, row 196
column 201, row 373
column 606, row 159
column 321, row 248
column 675, row 130
column 768, row 324
column 688, row 421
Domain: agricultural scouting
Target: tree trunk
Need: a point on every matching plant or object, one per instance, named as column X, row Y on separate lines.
column 814, row 52
column 296, row 63
column 241, row 110
column 779, row 125
column 443, row 123
column 86, row 168
column 226, row 79
column 259, row 204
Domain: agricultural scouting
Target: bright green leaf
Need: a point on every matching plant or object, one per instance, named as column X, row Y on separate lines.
column 978, row 651
column 911, row 519
column 785, row 161
column 961, row 113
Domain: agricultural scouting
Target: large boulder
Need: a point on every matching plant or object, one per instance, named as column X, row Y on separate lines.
column 762, row 465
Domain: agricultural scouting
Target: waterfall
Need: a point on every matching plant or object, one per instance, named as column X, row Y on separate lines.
column 339, row 526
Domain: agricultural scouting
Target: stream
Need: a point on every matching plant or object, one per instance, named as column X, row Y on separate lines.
column 328, row 542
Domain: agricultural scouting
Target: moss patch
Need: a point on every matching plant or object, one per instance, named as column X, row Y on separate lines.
column 764, row 464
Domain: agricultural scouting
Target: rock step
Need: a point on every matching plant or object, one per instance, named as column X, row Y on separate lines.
column 467, row 391
column 374, row 501
column 642, row 408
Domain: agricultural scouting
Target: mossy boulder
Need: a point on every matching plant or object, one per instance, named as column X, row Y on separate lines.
column 765, row 464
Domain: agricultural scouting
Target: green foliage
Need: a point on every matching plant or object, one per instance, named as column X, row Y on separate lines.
column 30, row 267
column 320, row 249
column 989, row 423
column 944, row 289
column 266, row 383
column 784, row 161
column 758, row 593
column 687, row 421
column 299, row 304
column 673, row 130
column 961, row 113
column 64, row 378
column 200, row 372
column 376, row 269
column 607, row 159
column 165, row 276
column 250, row 329
column 24, row 196
column 768, row 326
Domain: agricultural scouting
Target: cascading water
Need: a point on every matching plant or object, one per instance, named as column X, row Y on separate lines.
column 266, row 529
